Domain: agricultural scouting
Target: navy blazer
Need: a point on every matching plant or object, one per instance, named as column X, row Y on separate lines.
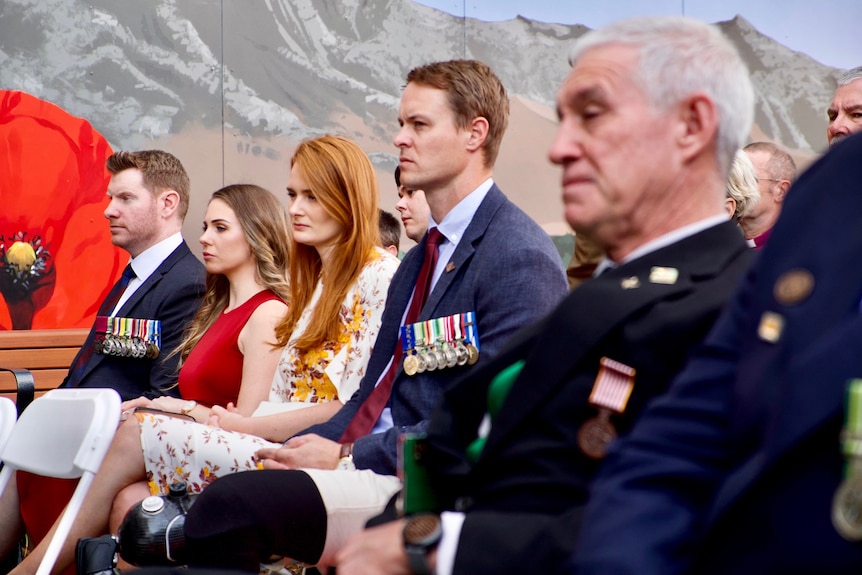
column 734, row 471
column 531, row 474
column 171, row 294
column 505, row 268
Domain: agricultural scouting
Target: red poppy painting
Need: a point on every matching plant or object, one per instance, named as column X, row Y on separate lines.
column 57, row 262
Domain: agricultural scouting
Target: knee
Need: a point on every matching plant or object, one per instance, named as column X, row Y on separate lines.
column 127, row 498
column 128, row 434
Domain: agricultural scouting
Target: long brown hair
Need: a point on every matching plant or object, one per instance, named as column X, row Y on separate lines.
column 264, row 222
column 341, row 177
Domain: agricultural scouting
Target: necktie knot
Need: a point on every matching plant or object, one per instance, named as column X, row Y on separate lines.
column 128, row 274
column 435, row 238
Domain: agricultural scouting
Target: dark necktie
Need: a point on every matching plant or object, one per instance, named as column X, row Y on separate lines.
column 369, row 412
column 106, row 308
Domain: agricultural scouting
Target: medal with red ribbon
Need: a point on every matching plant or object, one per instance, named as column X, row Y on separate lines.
column 610, row 395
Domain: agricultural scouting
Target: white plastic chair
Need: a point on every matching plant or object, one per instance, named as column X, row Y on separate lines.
column 8, row 414
column 65, row 433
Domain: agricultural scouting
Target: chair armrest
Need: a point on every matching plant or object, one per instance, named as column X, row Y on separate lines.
column 26, row 387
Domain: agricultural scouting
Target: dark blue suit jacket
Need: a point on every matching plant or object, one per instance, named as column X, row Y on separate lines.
column 505, row 268
column 171, row 294
column 734, row 470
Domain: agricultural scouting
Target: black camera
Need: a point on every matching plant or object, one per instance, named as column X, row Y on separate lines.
column 152, row 531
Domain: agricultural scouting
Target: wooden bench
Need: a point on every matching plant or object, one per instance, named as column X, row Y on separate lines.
column 46, row 354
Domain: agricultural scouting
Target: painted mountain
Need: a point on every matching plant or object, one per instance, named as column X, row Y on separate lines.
column 230, row 86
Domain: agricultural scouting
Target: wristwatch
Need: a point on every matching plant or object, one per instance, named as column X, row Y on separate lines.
column 188, row 406
column 422, row 533
column 345, row 460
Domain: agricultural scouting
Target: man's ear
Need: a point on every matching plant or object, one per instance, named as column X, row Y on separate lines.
column 781, row 192
column 698, row 121
column 729, row 206
column 478, row 133
column 169, row 201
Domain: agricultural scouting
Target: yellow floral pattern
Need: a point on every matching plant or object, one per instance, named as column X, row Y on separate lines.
column 176, row 449
column 334, row 372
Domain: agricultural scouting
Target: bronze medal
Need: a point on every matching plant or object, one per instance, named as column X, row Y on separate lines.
column 411, row 364
column 847, row 509
column 596, row 434
column 473, row 354
column 793, row 286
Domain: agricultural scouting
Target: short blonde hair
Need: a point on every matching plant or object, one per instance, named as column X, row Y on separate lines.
column 742, row 184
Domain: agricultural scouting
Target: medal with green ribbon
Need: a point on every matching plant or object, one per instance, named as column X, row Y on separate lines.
column 847, row 503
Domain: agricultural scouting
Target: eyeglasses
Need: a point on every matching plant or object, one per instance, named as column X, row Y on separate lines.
column 768, row 180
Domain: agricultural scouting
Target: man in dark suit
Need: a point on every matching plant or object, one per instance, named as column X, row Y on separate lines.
column 738, row 468
column 493, row 262
column 513, row 448
column 149, row 198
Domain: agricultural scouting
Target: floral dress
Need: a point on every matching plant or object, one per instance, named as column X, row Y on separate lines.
column 179, row 450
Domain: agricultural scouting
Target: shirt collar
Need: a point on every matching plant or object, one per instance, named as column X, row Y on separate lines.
column 455, row 222
column 665, row 240
column 151, row 258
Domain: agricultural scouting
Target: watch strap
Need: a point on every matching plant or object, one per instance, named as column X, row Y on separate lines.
column 417, row 560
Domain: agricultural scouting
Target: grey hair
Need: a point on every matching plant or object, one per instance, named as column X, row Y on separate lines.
column 678, row 57
column 850, row 76
column 742, row 184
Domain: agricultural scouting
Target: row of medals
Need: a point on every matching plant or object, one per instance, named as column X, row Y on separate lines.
column 124, row 346
column 441, row 355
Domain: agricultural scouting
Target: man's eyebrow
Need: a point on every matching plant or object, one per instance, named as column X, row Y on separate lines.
column 583, row 96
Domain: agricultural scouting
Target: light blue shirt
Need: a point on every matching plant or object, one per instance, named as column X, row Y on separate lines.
column 452, row 227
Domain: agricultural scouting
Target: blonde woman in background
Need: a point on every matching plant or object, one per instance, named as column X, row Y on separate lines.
column 742, row 191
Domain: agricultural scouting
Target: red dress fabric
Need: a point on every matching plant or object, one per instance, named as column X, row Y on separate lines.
column 212, row 372
column 211, row 375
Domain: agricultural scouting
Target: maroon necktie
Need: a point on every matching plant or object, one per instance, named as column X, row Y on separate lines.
column 369, row 412
column 105, row 309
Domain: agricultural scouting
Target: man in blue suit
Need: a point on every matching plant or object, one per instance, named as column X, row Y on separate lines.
column 737, row 470
column 494, row 262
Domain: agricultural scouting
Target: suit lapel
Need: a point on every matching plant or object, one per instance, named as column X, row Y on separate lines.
column 599, row 306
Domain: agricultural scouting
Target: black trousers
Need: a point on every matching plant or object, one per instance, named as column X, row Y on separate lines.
column 244, row 519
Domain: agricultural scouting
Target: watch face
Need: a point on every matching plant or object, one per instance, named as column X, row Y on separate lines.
column 422, row 529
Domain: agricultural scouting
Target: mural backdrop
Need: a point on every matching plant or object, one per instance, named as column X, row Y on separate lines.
column 231, row 86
